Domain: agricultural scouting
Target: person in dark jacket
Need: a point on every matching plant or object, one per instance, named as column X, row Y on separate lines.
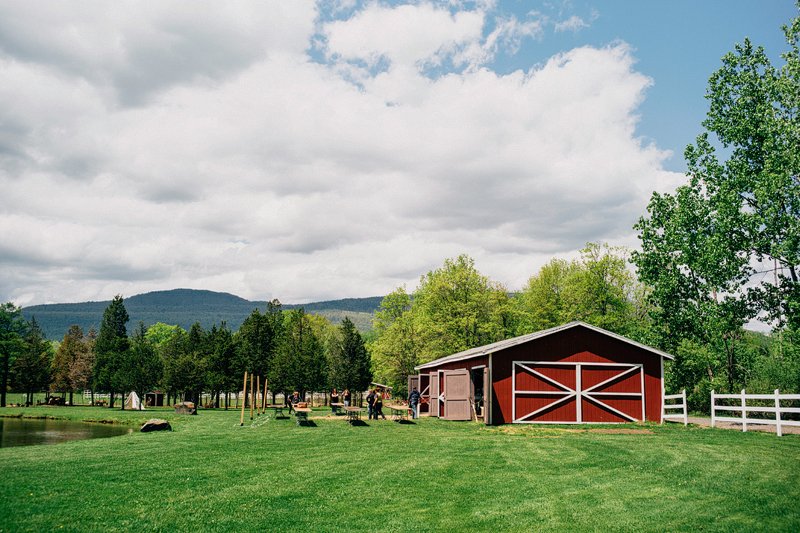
column 413, row 402
column 371, row 405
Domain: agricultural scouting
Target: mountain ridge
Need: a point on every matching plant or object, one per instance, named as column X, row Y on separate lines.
column 184, row 307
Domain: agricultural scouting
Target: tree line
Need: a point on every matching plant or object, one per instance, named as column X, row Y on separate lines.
column 293, row 350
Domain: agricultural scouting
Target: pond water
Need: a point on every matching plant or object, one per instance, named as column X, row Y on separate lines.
column 27, row 432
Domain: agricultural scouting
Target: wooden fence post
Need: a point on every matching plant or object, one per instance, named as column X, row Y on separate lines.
column 685, row 409
column 744, row 412
column 778, row 412
column 244, row 391
column 713, row 417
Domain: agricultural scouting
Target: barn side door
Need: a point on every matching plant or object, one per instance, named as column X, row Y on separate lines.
column 413, row 381
column 487, row 395
column 425, row 394
column 434, row 394
column 457, row 398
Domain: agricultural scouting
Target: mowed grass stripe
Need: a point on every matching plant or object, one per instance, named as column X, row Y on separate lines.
column 212, row 475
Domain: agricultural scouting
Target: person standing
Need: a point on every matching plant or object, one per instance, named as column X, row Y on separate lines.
column 413, row 402
column 334, row 400
column 346, row 397
column 378, row 409
column 371, row 405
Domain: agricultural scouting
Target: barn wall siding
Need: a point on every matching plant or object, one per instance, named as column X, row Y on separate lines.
column 574, row 345
column 578, row 344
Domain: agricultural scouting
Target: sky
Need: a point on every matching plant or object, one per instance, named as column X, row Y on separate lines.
column 308, row 151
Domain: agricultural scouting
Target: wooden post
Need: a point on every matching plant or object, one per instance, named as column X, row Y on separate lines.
column 264, row 399
column 258, row 391
column 244, row 389
column 713, row 412
column 744, row 412
column 778, row 413
column 685, row 409
column 251, row 396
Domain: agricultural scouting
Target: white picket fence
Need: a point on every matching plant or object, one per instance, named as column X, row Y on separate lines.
column 683, row 415
column 778, row 410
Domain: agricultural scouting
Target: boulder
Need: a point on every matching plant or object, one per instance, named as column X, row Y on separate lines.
column 156, row 424
column 185, row 408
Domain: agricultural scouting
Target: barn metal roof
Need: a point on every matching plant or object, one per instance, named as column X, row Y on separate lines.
column 508, row 343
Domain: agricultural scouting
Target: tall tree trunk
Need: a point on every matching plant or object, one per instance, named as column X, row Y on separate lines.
column 70, row 397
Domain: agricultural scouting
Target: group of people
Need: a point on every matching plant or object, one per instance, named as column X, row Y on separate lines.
column 375, row 399
column 375, row 404
column 346, row 397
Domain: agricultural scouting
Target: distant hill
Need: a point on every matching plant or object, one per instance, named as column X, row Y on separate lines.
column 184, row 307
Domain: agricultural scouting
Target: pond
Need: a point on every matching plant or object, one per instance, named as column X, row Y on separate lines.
column 27, row 431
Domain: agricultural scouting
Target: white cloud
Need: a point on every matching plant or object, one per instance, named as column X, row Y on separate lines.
column 573, row 23
column 274, row 175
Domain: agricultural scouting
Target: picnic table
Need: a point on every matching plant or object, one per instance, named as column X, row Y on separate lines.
column 335, row 407
column 353, row 414
column 399, row 412
column 278, row 408
column 302, row 414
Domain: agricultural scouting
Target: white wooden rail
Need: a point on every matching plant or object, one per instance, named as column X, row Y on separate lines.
column 744, row 409
column 675, row 406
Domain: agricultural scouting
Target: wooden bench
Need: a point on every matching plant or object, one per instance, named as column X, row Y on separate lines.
column 336, row 407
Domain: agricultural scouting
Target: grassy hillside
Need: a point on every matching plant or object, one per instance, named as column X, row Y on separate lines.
column 187, row 306
column 210, row 474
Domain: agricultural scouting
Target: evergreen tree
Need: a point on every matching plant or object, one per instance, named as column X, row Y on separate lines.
column 111, row 348
column 299, row 362
column 141, row 369
column 350, row 362
column 13, row 329
column 31, row 369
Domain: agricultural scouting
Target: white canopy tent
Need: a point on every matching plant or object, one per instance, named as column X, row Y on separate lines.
column 133, row 402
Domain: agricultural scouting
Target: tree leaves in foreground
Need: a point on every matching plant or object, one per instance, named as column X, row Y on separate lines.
column 725, row 247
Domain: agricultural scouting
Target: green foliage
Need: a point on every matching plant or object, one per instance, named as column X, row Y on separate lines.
column 110, row 348
column 258, row 338
column 141, row 370
column 71, row 368
column 12, row 332
column 454, row 308
column 349, row 361
column 598, row 289
column 299, row 362
column 699, row 245
column 458, row 308
column 30, row 372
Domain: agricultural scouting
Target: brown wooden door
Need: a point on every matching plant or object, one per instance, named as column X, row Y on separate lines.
column 487, row 396
column 434, row 394
column 457, row 397
column 425, row 394
column 413, row 382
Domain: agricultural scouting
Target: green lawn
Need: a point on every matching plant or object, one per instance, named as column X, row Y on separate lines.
column 212, row 475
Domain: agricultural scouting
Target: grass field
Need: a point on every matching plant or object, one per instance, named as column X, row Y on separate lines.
column 209, row 474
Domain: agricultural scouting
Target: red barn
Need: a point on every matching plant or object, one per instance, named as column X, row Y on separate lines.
column 575, row 373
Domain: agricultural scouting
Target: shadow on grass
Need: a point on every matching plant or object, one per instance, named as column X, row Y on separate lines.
column 359, row 423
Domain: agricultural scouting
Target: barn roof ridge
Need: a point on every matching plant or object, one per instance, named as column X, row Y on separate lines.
column 508, row 343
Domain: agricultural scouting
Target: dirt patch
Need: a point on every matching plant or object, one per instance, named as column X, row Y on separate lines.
column 621, row 431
